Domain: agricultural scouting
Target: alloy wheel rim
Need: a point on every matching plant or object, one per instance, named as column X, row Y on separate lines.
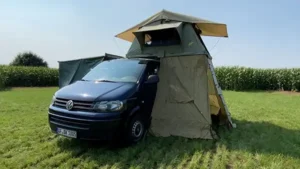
column 137, row 129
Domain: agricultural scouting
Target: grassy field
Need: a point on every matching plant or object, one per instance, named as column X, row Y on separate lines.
column 267, row 136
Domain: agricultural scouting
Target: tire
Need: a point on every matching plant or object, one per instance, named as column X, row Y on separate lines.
column 135, row 130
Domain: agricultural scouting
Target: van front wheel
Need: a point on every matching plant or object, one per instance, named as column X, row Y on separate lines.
column 135, row 130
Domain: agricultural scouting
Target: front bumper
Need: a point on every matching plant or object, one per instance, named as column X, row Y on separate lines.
column 88, row 125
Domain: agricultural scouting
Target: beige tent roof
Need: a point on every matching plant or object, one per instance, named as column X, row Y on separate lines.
column 159, row 27
column 207, row 27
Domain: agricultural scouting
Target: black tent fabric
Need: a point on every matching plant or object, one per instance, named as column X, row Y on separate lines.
column 72, row 70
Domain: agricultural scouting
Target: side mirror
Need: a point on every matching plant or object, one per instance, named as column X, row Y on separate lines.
column 152, row 79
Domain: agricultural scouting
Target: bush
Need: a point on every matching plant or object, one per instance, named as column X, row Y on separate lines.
column 20, row 76
column 2, row 77
column 28, row 59
column 241, row 78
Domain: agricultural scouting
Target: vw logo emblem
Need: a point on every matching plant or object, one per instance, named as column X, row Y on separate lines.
column 69, row 105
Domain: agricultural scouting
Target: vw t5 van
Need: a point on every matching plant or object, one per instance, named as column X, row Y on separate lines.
column 113, row 100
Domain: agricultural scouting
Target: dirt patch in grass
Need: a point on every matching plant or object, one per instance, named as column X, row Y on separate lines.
column 286, row 92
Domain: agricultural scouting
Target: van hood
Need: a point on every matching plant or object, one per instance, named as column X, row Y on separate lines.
column 97, row 91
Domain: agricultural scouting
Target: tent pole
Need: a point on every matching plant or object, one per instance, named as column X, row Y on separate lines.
column 220, row 93
column 217, row 86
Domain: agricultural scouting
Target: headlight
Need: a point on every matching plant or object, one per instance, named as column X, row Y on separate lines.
column 109, row 105
column 53, row 100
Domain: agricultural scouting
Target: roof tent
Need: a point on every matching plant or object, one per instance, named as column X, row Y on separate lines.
column 208, row 28
column 188, row 93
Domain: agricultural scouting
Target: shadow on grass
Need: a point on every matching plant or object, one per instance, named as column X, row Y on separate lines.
column 262, row 137
column 154, row 152
column 5, row 89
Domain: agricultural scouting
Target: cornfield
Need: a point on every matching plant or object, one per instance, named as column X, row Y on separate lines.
column 20, row 76
column 229, row 78
column 242, row 78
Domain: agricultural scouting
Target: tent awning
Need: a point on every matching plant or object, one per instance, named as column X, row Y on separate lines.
column 159, row 27
column 208, row 28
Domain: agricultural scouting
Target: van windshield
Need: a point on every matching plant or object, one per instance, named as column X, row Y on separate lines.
column 116, row 71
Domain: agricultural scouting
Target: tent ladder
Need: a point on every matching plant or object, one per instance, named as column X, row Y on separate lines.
column 219, row 90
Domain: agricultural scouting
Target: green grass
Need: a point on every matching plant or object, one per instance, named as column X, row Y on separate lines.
column 267, row 136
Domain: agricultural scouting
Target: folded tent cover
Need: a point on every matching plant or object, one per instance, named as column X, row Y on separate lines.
column 72, row 70
column 188, row 92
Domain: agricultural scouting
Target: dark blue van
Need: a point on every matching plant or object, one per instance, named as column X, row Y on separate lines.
column 113, row 100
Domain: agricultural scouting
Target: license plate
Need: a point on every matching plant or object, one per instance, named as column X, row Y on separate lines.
column 67, row 133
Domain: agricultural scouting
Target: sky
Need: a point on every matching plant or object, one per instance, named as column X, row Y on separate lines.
column 262, row 34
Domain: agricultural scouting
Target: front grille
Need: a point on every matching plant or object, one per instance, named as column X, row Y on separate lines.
column 78, row 105
column 69, row 122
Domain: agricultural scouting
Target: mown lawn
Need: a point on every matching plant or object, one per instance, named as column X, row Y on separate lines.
column 267, row 136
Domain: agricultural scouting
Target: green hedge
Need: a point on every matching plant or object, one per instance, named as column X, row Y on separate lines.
column 19, row 76
column 241, row 78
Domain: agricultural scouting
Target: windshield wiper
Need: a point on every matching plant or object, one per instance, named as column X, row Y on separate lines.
column 105, row 81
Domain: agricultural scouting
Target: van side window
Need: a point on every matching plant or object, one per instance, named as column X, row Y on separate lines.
column 152, row 68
